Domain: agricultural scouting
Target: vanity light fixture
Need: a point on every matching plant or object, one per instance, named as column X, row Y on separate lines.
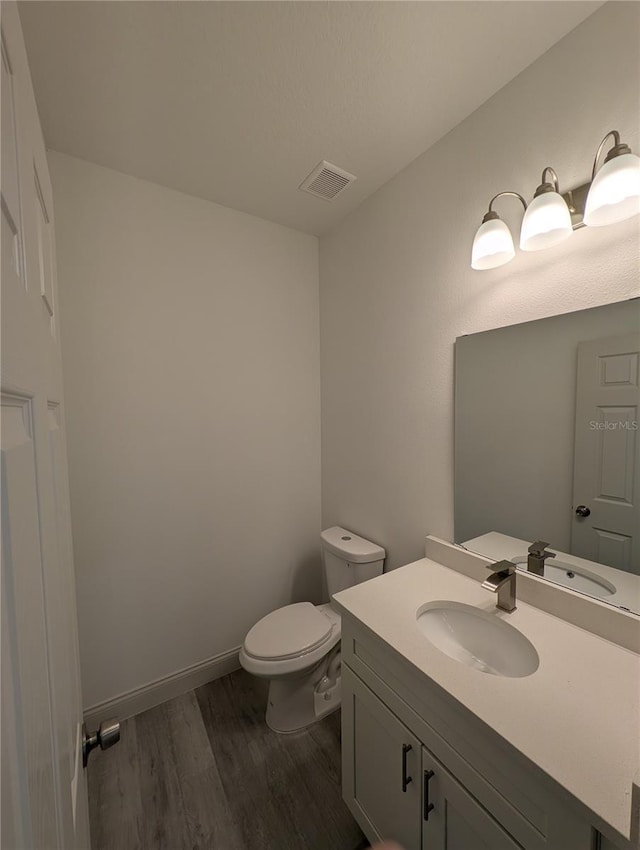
column 547, row 220
column 613, row 195
column 493, row 245
column 615, row 188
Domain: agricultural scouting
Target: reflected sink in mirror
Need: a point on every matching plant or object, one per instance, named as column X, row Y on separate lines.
column 569, row 575
column 546, row 412
column 477, row 639
column 606, row 584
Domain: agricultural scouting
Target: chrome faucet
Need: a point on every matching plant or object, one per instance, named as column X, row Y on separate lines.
column 537, row 556
column 503, row 582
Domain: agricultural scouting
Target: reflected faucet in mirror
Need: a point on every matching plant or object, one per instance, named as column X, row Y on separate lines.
column 537, row 556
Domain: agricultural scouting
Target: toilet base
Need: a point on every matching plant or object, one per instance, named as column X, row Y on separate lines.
column 294, row 704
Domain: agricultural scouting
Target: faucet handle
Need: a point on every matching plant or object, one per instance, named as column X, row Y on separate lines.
column 539, row 550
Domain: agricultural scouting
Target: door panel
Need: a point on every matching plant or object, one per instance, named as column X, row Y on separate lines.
column 22, row 579
column 457, row 821
column 460, row 833
column 44, row 801
column 15, row 821
column 45, row 252
column 374, row 765
column 62, row 632
column 10, row 193
column 607, row 453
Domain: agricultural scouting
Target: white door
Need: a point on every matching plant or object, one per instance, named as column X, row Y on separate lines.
column 44, row 801
column 606, row 480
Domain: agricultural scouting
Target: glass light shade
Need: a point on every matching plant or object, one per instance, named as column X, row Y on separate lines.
column 546, row 222
column 615, row 192
column 492, row 246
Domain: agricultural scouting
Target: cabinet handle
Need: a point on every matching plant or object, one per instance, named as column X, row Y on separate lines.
column 405, row 779
column 427, row 805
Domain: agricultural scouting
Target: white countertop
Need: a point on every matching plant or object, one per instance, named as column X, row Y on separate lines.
column 577, row 717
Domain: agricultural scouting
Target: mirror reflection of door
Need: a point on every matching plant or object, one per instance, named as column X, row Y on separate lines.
column 547, row 447
column 606, row 483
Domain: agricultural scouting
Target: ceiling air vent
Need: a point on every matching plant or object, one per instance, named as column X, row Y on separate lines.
column 326, row 181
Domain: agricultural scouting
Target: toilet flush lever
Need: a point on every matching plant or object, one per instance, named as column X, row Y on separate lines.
column 106, row 736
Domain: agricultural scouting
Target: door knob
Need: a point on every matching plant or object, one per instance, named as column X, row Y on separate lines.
column 583, row 511
column 106, row 736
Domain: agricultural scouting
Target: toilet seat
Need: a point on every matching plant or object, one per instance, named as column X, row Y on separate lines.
column 319, row 632
column 288, row 633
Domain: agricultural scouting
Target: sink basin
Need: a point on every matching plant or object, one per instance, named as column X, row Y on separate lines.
column 570, row 575
column 477, row 639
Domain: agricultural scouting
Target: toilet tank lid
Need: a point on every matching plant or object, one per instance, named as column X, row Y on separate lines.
column 350, row 547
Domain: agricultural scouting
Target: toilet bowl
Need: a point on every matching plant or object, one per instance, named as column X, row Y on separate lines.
column 297, row 647
column 294, row 647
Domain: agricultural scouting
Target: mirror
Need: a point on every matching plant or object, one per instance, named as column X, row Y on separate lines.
column 547, row 447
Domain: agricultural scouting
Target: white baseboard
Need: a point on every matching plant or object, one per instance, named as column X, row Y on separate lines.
column 152, row 694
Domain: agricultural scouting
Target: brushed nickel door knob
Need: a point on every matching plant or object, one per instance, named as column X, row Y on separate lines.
column 106, row 736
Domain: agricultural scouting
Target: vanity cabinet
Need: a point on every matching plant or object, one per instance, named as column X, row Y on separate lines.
column 603, row 843
column 400, row 790
column 456, row 821
column 421, row 769
column 382, row 770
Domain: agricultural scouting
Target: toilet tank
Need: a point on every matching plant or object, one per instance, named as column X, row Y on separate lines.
column 349, row 559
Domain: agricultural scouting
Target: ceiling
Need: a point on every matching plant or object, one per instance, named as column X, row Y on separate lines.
column 236, row 102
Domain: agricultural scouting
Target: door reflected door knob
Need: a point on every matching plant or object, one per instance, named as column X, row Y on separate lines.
column 107, row 735
column 583, row 511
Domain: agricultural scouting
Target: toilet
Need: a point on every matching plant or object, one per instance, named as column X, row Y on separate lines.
column 297, row 647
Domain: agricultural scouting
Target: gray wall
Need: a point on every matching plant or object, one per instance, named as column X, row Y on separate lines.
column 515, row 397
column 190, row 343
column 397, row 289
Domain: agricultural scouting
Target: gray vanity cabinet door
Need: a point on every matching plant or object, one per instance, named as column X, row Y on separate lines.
column 452, row 818
column 603, row 843
column 381, row 778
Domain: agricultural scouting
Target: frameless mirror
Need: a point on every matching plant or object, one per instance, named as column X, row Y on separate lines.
column 547, row 448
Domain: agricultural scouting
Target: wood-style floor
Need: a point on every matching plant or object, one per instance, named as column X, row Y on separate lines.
column 204, row 772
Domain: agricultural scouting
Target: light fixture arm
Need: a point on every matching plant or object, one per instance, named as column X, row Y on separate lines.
column 502, row 194
column 554, row 178
column 616, row 150
column 491, row 214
